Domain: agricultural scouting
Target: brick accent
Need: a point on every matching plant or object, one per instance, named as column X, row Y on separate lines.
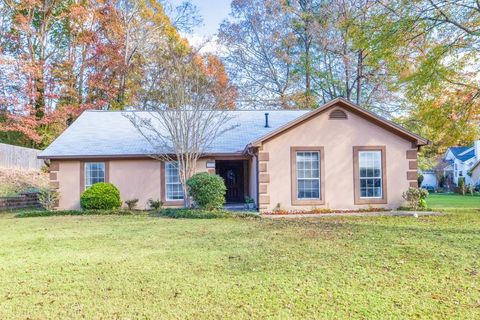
column 54, row 184
column 264, row 199
column 263, row 188
column 264, row 177
column 211, row 171
column 412, row 154
column 414, row 184
column 54, row 166
column 411, row 175
column 53, row 176
column 413, row 165
column 263, row 156
column 262, row 167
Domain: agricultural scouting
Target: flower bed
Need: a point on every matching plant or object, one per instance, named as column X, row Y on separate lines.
column 324, row 211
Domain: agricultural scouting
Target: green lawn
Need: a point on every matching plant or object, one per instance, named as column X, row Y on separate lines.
column 439, row 201
column 145, row 267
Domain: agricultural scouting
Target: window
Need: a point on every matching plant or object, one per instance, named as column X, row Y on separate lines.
column 369, row 175
column 307, row 181
column 173, row 185
column 94, row 173
column 308, row 175
column 370, row 168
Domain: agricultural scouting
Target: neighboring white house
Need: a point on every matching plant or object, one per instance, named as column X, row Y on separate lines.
column 460, row 161
column 429, row 179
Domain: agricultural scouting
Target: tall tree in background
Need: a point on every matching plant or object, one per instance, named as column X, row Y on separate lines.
column 313, row 49
column 433, row 47
column 60, row 57
column 259, row 43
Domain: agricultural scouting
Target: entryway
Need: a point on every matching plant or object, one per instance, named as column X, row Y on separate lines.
column 234, row 172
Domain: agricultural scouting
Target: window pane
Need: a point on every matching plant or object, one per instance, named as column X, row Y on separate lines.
column 173, row 186
column 94, row 173
column 308, row 174
column 370, row 174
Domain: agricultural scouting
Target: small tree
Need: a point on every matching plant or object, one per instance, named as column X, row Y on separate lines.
column 184, row 113
column 48, row 198
column 461, row 186
column 420, row 179
column 415, row 197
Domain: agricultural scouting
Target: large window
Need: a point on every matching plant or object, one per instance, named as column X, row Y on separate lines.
column 369, row 175
column 94, row 173
column 308, row 175
column 307, row 178
column 173, row 185
column 370, row 167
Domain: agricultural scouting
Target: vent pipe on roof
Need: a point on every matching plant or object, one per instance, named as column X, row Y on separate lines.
column 266, row 120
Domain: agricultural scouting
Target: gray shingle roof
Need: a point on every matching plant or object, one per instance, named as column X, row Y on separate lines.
column 110, row 133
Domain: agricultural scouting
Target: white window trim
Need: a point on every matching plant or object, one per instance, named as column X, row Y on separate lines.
column 85, row 165
column 366, row 178
column 167, row 183
column 311, row 179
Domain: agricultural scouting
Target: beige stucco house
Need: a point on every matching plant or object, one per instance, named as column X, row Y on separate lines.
column 339, row 156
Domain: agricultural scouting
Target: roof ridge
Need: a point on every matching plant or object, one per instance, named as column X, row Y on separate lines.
column 236, row 110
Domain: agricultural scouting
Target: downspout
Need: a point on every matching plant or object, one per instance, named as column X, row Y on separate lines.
column 257, row 175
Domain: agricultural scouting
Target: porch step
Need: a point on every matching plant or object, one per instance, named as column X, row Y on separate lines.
column 236, row 207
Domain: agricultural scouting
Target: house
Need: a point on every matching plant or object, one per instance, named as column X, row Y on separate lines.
column 459, row 162
column 475, row 174
column 338, row 156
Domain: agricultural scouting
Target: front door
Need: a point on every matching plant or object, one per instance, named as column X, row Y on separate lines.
column 232, row 173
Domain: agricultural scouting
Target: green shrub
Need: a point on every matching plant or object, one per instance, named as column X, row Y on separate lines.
column 183, row 213
column 101, row 195
column 155, row 205
column 461, row 189
column 131, row 204
column 48, row 198
column 207, row 190
column 416, row 197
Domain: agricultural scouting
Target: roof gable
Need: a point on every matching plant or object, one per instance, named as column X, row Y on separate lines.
column 462, row 153
column 340, row 102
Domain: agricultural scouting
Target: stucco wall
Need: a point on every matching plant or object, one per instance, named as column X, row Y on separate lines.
column 135, row 178
column 68, row 177
column 337, row 137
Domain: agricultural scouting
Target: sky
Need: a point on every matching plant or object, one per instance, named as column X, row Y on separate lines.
column 213, row 12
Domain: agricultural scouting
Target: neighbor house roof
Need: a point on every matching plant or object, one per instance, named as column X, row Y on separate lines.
column 109, row 134
column 463, row 153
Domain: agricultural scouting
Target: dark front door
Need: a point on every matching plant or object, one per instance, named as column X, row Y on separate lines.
column 232, row 173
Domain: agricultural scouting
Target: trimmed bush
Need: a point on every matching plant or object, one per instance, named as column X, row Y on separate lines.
column 131, row 204
column 48, row 198
column 416, row 198
column 101, row 196
column 207, row 190
column 182, row 213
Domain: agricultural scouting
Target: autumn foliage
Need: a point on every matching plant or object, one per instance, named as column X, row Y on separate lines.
column 59, row 58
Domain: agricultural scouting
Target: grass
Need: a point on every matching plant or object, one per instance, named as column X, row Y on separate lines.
column 138, row 266
column 439, row 201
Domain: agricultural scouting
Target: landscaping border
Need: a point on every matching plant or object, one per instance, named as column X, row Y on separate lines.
column 22, row 201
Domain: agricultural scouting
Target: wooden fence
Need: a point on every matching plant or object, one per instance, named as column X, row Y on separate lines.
column 19, row 157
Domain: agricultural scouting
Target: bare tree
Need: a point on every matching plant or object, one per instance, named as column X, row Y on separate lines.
column 183, row 117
